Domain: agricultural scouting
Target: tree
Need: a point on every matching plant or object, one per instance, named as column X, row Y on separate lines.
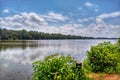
column 23, row 34
column 0, row 33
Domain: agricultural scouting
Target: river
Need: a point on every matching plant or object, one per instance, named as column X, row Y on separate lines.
column 16, row 57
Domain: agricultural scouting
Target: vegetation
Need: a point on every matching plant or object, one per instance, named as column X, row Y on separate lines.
column 31, row 35
column 105, row 58
column 58, row 67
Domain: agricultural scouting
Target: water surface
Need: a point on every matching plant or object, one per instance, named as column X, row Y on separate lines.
column 16, row 56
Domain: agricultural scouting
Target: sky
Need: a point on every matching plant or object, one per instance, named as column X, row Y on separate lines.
column 94, row 18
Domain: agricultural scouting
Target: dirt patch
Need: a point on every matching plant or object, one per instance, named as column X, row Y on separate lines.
column 101, row 76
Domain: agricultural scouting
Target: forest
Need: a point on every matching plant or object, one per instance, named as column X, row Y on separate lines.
column 6, row 34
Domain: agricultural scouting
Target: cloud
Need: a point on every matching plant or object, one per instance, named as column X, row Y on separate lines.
column 54, row 17
column 98, row 28
column 109, row 15
column 5, row 11
column 24, row 20
column 33, row 19
column 92, row 6
column 85, row 19
column 72, row 29
column 88, row 4
column 102, row 29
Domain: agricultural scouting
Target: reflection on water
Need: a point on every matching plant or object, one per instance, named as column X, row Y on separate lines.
column 16, row 56
column 20, row 44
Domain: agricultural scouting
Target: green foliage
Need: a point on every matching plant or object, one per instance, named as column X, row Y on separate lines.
column 105, row 57
column 31, row 35
column 118, row 43
column 57, row 67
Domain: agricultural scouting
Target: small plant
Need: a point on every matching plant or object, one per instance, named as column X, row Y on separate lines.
column 105, row 57
column 58, row 67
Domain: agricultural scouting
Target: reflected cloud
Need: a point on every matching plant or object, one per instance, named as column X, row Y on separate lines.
column 11, row 70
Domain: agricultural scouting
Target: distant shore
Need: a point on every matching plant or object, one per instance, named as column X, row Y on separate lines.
column 6, row 34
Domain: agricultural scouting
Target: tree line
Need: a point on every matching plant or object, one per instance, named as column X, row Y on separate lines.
column 6, row 34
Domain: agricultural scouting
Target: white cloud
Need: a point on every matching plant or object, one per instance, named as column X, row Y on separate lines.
column 104, row 16
column 33, row 19
column 89, row 4
column 5, row 11
column 97, row 29
column 24, row 20
column 54, row 17
column 72, row 29
column 102, row 29
column 92, row 6
column 85, row 19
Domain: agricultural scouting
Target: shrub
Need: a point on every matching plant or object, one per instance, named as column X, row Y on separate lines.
column 58, row 67
column 105, row 57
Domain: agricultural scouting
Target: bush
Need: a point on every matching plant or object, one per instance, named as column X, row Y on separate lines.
column 58, row 67
column 105, row 57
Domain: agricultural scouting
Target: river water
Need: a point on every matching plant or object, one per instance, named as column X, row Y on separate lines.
column 16, row 57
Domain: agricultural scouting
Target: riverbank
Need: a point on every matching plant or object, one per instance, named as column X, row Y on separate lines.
column 103, row 76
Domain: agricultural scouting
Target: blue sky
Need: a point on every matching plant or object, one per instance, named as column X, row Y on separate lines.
column 97, row 18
